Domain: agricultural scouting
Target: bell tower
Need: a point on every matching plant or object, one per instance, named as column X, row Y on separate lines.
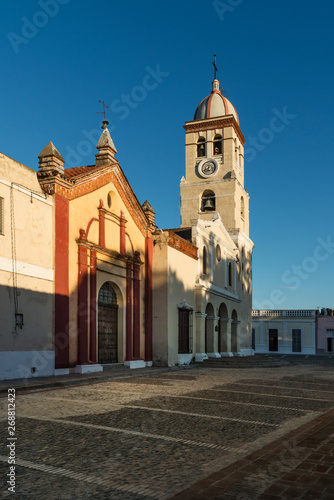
column 214, row 180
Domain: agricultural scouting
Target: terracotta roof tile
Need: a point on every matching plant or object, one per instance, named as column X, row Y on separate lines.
column 74, row 172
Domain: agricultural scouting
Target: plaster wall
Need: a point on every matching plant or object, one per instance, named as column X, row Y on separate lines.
column 26, row 274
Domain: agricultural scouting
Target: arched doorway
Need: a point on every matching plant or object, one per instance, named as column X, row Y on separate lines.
column 107, row 324
column 234, row 331
column 209, row 330
column 222, row 328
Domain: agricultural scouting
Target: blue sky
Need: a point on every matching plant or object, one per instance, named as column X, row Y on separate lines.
column 60, row 57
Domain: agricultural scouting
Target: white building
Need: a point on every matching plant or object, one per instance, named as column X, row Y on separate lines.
column 284, row 331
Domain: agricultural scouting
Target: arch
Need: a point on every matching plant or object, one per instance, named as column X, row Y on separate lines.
column 209, row 328
column 223, row 328
column 208, row 201
column 108, row 323
column 234, row 331
column 217, row 144
column 201, row 146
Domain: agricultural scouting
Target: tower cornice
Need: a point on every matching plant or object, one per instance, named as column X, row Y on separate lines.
column 213, row 123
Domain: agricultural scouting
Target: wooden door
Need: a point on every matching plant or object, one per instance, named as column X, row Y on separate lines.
column 107, row 333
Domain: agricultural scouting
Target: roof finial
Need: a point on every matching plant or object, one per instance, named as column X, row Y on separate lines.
column 105, row 122
column 214, row 65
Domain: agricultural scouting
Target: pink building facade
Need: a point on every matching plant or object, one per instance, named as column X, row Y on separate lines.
column 325, row 333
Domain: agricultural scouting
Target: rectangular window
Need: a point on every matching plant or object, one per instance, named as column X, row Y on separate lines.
column 296, row 340
column 2, row 209
column 253, row 339
column 273, row 340
column 185, row 331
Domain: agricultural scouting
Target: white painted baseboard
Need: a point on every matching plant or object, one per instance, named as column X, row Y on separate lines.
column 26, row 364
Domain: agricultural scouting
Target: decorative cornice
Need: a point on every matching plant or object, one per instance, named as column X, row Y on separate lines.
column 53, row 182
column 213, row 123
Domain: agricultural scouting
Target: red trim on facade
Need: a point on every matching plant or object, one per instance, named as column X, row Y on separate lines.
column 122, row 250
column 83, row 311
column 61, row 282
column 136, row 311
column 148, row 298
column 128, row 312
column 102, row 228
column 93, row 310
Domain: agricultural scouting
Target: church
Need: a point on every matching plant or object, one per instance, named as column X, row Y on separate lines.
column 115, row 288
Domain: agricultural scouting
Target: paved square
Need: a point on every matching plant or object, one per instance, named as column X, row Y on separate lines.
column 154, row 435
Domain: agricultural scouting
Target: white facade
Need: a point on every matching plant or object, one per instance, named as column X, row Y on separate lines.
column 284, row 331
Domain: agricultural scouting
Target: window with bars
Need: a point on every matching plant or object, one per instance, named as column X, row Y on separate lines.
column 185, row 331
column 2, row 215
column 107, row 295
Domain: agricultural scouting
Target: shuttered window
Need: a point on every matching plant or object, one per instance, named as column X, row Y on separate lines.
column 185, row 331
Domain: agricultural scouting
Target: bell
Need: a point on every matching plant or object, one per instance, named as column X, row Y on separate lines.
column 208, row 205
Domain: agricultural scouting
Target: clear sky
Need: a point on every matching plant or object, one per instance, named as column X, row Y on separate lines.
column 151, row 62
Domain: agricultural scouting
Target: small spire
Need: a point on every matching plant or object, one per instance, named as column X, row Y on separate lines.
column 106, row 147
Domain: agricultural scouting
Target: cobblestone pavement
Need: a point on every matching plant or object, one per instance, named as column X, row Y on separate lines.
column 194, row 433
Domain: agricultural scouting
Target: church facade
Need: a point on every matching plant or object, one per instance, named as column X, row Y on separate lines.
column 117, row 288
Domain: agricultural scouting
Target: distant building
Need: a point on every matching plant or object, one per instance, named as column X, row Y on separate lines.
column 284, row 331
column 325, row 331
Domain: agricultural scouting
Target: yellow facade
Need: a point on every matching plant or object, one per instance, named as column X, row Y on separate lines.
column 26, row 274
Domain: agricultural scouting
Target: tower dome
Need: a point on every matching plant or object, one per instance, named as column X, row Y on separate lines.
column 215, row 105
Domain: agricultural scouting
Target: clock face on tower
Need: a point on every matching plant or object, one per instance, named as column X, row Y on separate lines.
column 207, row 168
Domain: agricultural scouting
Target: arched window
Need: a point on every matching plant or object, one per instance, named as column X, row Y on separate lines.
column 205, row 261
column 217, row 145
column 230, row 273
column 107, row 295
column 200, row 147
column 208, row 202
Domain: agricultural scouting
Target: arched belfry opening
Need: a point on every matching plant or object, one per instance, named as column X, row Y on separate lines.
column 208, row 201
column 200, row 147
column 107, row 324
column 217, row 144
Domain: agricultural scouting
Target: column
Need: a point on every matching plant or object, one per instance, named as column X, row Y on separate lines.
column 62, row 305
column 102, row 226
column 136, row 311
column 93, row 312
column 200, row 353
column 122, row 250
column 82, row 305
column 128, row 313
column 148, row 300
